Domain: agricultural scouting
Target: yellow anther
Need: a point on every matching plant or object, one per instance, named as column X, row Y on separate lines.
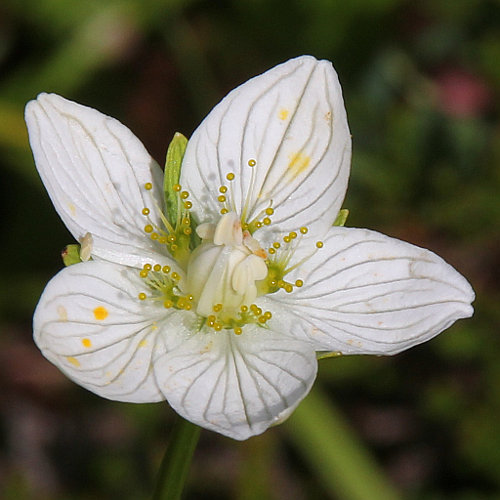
column 167, row 304
column 244, row 309
column 157, row 268
column 146, row 211
column 143, row 273
column 142, row 296
column 299, row 283
column 175, row 276
column 303, row 230
column 166, row 269
column 176, row 187
column 266, row 221
column 252, row 163
column 238, row 330
column 223, row 189
column 221, row 198
column 188, row 205
column 184, row 195
column 230, row 176
column 319, row 244
column 148, row 186
column 148, row 267
column 269, row 211
column 148, row 228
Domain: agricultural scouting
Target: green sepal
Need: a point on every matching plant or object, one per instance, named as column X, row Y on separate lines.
column 327, row 354
column 175, row 154
column 71, row 254
column 341, row 217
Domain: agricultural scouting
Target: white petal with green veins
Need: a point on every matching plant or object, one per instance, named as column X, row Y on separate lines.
column 90, row 323
column 95, row 170
column 237, row 385
column 367, row 293
column 284, row 135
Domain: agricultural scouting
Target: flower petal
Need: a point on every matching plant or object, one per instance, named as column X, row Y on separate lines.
column 237, row 385
column 95, row 170
column 367, row 293
column 291, row 121
column 91, row 324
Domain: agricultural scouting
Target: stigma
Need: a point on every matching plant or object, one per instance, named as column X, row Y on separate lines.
column 223, row 270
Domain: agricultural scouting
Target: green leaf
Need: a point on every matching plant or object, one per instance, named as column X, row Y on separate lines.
column 175, row 154
column 335, row 453
column 341, row 217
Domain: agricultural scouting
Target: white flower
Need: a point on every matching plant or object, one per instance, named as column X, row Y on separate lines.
column 225, row 325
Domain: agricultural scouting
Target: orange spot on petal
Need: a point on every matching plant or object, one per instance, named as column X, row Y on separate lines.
column 100, row 313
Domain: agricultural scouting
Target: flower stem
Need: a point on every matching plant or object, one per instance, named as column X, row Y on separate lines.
column 175, row 465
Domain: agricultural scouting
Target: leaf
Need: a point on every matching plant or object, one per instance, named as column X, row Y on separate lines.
column 175, row 154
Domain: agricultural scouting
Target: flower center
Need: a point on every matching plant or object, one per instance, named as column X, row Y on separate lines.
column 222, row 268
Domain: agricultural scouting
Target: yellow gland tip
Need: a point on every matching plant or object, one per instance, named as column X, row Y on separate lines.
column 166, row 269
column 269, row 211
column 299, row 283
column 148, row 186
column 146, row 211
column 319, row 244
column 238, row 330
column 148, row 267
column 303, row 230
column 148, row 228
column 221, row 198
column 188, row 205
column 230, row 176
column 142, row 296
column 157, row 268
column 223, row 189
column 144, row 273
column 176, row 187
column 252, row 163
column 184, row 195
column 266, row 221
column 224, row 211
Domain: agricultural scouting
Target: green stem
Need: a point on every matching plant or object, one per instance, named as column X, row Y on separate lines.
column 335, row 453
column 175, row 465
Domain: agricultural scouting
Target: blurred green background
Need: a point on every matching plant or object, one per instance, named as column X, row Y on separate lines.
column 421, row 85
